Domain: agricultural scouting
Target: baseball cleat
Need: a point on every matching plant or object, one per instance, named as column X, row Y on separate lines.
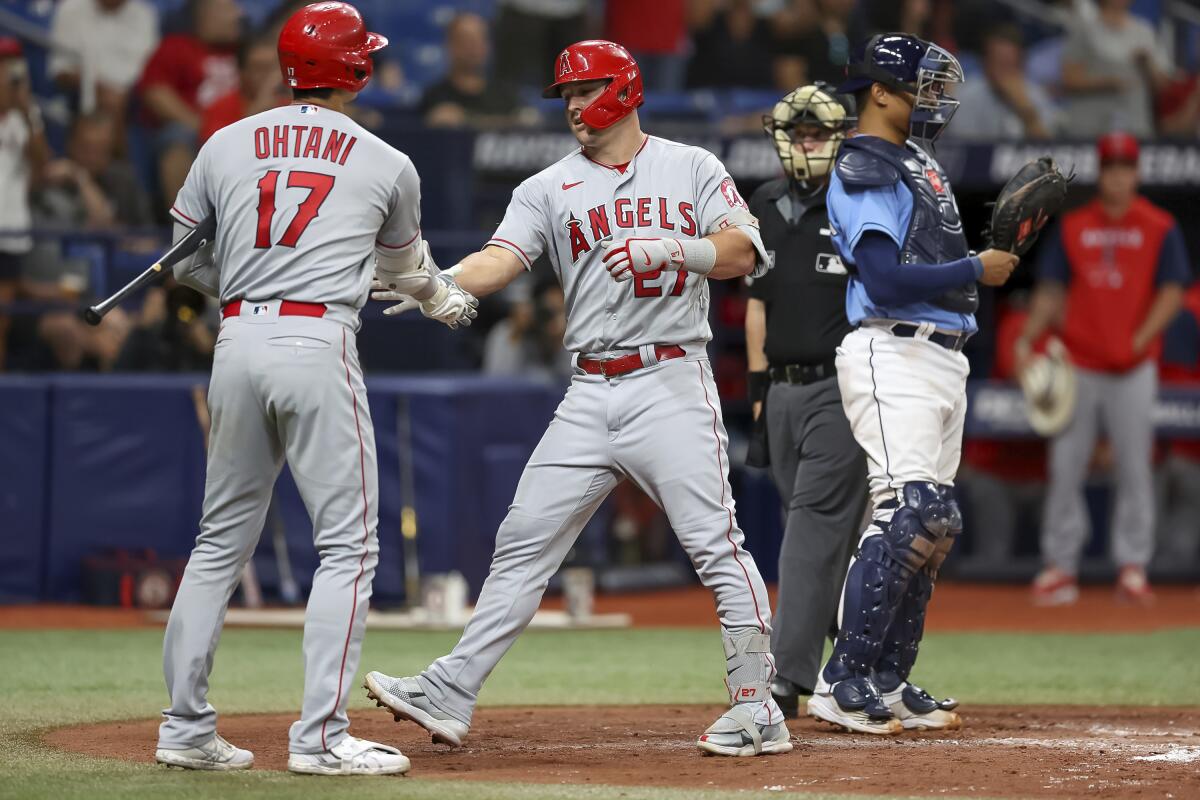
column 215, row 754
column 404, row 698
column 736, row 733
column 918, row 710
column 853, row 704
column 351, row 756
column 1133, row 588
column 1054, row 587
column 787, row 696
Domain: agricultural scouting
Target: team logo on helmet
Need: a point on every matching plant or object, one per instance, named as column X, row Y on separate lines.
column 564, row 65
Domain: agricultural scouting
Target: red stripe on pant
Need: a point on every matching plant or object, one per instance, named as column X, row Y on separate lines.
column 762, row 628
column 362, row 471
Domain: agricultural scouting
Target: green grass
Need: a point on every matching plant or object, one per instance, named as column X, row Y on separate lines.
column 51, row 678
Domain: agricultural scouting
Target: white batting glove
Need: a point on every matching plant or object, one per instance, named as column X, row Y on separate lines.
column 626, row 257
column 449, row 305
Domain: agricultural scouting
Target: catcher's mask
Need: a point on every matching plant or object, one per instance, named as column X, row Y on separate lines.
column 810, row 113
column 906, row 63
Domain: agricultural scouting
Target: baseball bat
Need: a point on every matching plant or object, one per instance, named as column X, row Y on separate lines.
column 196, row 238
column 408, row 505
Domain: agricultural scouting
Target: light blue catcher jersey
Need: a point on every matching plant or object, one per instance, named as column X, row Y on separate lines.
column 887, row 209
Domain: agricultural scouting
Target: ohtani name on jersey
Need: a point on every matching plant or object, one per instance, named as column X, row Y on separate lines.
column 303, row 141
column 640, row 213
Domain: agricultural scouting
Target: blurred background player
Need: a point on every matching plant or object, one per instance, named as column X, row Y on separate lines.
column 912, row 297
column 795, row 320
column 1113, row 275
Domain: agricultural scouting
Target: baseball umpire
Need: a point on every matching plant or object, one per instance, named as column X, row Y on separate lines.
column 912, row 297
column 795, row 319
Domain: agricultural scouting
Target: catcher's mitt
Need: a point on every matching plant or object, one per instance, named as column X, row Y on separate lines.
column 1026, row 204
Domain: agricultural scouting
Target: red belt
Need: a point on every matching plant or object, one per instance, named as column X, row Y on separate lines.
column 623, row 365
column 287, row 308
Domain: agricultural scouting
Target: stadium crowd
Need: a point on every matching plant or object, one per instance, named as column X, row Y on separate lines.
column 127, row 90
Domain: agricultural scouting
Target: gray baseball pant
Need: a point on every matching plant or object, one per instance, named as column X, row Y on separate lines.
column 1123, row 404
column 282, row 387
column 659, row 426
column 821, row 474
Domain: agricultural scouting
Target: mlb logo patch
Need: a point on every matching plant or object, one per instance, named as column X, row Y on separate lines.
column 259, row 311
column 308, row 109
column 830, row 264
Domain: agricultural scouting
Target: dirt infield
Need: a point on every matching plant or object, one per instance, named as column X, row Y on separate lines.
column 956, row 607
column 1004, row 751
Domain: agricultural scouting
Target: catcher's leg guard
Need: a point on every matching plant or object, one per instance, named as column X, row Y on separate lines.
column 745, row 730
column 879, row 576
column 913, row 706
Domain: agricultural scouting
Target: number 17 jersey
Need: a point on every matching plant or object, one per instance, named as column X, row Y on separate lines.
column 303, row 197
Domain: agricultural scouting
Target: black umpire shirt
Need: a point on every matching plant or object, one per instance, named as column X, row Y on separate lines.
column 805, row 291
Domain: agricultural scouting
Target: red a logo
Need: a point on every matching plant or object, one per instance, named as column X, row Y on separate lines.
column 564, row 66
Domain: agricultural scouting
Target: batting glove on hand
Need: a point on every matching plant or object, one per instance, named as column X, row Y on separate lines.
column 626, row 257
column 450, row 305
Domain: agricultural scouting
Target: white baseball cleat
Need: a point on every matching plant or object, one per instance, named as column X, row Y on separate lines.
column 351, row 756
column 917, row 710
column 215, row 754
column 735, row 733
column 404, row 698
column 853, row 704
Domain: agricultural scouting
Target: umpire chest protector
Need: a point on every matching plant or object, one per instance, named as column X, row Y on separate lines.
column 805, row 290
column 935, row 232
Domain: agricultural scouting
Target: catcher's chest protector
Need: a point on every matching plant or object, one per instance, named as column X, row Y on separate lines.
column 935, row 232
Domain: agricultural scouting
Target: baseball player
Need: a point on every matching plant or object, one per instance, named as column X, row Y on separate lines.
column 795, row 320
column 308, row 205
column 634, row 226
column 912, row 297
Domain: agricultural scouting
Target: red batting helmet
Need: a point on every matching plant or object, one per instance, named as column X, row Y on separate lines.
column 596, row 59
column 327, row 46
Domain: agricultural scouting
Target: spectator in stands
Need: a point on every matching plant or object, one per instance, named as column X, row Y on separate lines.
column 655, row 34
column 65, row 343
column 910, row 16
column 171, row 334
column 823, row 49
column 186, row 74
column 531, row 33
column 90, row 187
column 1179, row 108
column 464, row 97
column 100, row 49
column 732, row 46
column 260, row 87
column 23, row 154
column 529, row 341
column 1112, row 67
column 1114, row 271
column 1004, row 104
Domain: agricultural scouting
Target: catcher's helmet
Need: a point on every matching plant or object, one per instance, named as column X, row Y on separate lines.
column 814, row 105
column 327, row 46
column 907, row 63
column 597, row 59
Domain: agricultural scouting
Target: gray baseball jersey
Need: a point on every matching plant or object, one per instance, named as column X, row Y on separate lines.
column 303, row 195
column 659, row 426
column 566, row 210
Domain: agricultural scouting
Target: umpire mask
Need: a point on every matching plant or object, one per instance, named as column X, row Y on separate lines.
column 807, row 127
